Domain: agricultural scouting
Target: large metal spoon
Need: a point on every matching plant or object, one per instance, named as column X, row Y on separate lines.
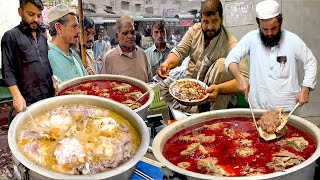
column 254, row 119
column 144, row 94
column 26, row 110
column 284, row 130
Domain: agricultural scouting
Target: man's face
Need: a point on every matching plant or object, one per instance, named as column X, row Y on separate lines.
column 270, row 32
column 100, row 38
column 158, row 35
column 89, row 37
column 126, row 35
column 70, row 31
column 211, row 25
column 30, row 15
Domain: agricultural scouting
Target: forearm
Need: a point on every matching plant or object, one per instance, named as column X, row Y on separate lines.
column 14, row 91
column 229, row 87
column 234, row 70
column 172, row 60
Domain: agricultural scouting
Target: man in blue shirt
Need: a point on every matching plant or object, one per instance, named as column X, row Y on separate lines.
column 64, row 29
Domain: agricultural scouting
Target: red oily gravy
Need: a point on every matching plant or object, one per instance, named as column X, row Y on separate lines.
column 224, row 147
column 99, row 87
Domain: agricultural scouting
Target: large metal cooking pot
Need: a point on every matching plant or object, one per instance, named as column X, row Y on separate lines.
column 123, row 171
column 305, row 170
column 142, row 111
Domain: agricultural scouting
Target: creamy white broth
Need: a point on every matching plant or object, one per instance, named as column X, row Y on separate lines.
column 78, row 139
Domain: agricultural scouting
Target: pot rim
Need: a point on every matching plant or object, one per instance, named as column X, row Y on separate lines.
column 145, row 138
column 144, row 86
column 166, row 134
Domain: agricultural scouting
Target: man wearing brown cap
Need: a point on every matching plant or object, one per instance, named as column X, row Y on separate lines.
column 275, row 55
column 64, row 29
column 25, row 66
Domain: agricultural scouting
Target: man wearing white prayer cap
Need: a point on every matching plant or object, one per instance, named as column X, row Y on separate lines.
column 275, row 56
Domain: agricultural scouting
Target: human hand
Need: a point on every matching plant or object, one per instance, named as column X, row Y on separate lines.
column 243, row 85
column 303, row 96
column 214, row 91
column 19, row 103
column 163, row 70
column 89, row 70
column 55, row 86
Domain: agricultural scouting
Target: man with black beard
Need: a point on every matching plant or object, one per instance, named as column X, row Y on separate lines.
column 275, row 57
column 89, row 32
column 25, row 66
column 207, row 44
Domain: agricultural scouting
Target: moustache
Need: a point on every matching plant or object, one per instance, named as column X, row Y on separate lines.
column 89, row 41
column 35, row 23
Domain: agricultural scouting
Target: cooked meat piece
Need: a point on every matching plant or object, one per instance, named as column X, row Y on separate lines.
column 203, row 150
column 192, row 148
column 106, row 123
column 76, row 92
column 106, row 95
column 134, row 95
column 244, row 134
column 111, row 152
column 244, row 142
column 131, row 104
column 188, row 90
column 183, row 165
column 284, row 159
column 72, row 131
column 250, row 171
column 96, row 89
column 297, row 143
column 70, row 151
column 209, row 166
column 245, row 151
column 213, row 127
column 272, row 120
column 198, row 138
column 86, row 85
column 228, row 132
column 123, row 87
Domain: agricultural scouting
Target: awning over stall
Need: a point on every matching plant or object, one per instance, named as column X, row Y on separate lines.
column 104, row 21
column 152, row 19
column 186, row 20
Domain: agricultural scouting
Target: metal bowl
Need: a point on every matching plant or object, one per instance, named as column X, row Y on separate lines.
column 188, row 102
column 305, row 170
column 142, row 111
column 34, row 171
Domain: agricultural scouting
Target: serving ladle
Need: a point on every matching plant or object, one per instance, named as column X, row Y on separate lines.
column 254, row 119
column 26, row 110
column 144, row 94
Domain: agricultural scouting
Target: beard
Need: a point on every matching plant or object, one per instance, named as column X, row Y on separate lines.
column 215, row 33
column 270, row 41
column 32, row 26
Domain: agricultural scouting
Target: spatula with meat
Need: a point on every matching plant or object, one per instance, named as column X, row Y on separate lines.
column 272, row 124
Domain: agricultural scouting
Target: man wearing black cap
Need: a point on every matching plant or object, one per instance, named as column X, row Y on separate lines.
column 25, row 66
column 275, row 55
